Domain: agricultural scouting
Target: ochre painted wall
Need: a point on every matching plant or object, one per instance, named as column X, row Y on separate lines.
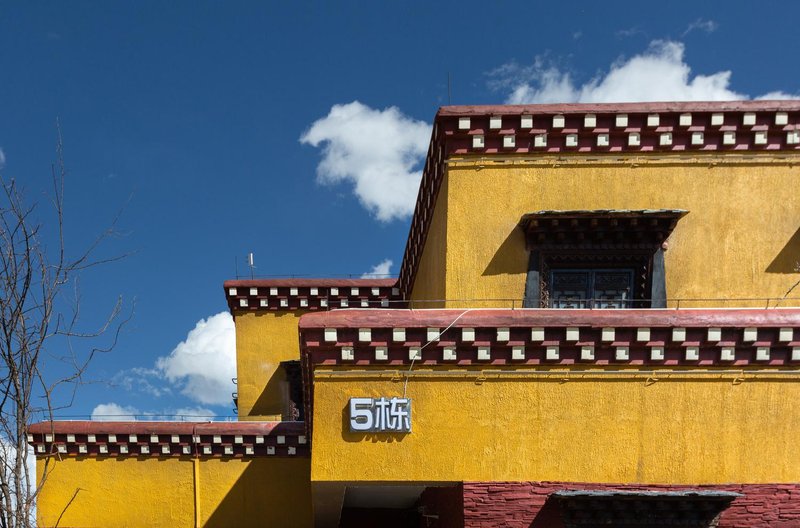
column 429, row 284
column 686, row 430
column 272, row 492
column 153, row 492
column 263, row 340
column 740, row 239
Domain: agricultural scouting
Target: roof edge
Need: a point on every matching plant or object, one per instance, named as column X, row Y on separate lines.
column 654, row 106
column 165, row 427
column 244, row 283
column 493, row 317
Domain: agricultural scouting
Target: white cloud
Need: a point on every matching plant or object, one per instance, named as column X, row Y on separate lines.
column 777, row 94
column 379, row 271
column 629, row 32
column 204, row 363
column 709, row 26
column 193, row 413
column 200, row 367
column 377, row 151
column 658, row 74
column 538, row 83
column 139, row 379
column 2, row 158
column 112, row 412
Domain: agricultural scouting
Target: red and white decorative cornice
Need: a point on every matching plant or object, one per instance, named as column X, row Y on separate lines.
column 632, row 127
column 704, row 338
column 169, row 439
column 312, row 294
column 626, row 129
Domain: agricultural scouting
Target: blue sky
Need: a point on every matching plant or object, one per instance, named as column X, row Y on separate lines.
column 295, row 130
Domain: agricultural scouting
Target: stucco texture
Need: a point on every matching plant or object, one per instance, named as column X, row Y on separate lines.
column 740, row 240
column 430, row 284
column 263, row 340
column 686, row 430
column 162, row 492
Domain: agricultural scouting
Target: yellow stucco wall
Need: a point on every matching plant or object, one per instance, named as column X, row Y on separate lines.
column 430, row 283
column 740, row 239
column 690, row 430
column 263, row 340
column 131, row 492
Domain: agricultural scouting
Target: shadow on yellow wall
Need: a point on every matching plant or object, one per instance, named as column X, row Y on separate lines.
column 511, row 257
column 787, row 260
column 271, row 400
column 267, row 492
column 263, row 341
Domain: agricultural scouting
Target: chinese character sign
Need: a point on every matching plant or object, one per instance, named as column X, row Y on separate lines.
column 380, row 415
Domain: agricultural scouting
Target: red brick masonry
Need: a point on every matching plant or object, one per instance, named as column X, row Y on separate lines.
column 522, row 504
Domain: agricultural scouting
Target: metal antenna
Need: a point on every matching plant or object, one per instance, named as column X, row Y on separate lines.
column 251, row 263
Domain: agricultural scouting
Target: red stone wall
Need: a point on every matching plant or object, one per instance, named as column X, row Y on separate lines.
column 524, row 504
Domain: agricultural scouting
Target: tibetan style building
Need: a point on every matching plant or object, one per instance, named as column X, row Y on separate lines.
column 591, row 327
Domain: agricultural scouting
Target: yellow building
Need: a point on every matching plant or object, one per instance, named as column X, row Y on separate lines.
column 593, row 325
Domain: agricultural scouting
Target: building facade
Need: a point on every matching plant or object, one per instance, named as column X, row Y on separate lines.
column 594, row 325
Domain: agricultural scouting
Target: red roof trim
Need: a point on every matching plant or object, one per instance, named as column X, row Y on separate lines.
column 283, row 295
column 621, row 108
column 322, row 283
column 168, row 428
column 553, row 317
column 169, row 439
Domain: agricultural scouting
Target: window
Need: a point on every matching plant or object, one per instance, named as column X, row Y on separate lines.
column 591, row 288
column 597, row 259
column 294, row 409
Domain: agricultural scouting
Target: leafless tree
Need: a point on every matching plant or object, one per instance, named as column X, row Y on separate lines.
column 39, row 316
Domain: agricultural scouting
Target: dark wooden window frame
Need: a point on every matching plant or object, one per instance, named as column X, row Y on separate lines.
column 599, row 240
column 579, row 287
column 649, row 288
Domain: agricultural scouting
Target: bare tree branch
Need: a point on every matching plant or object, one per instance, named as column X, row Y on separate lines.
column 35, row 281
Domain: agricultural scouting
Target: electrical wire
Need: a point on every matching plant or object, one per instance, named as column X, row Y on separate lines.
column 411, row 366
